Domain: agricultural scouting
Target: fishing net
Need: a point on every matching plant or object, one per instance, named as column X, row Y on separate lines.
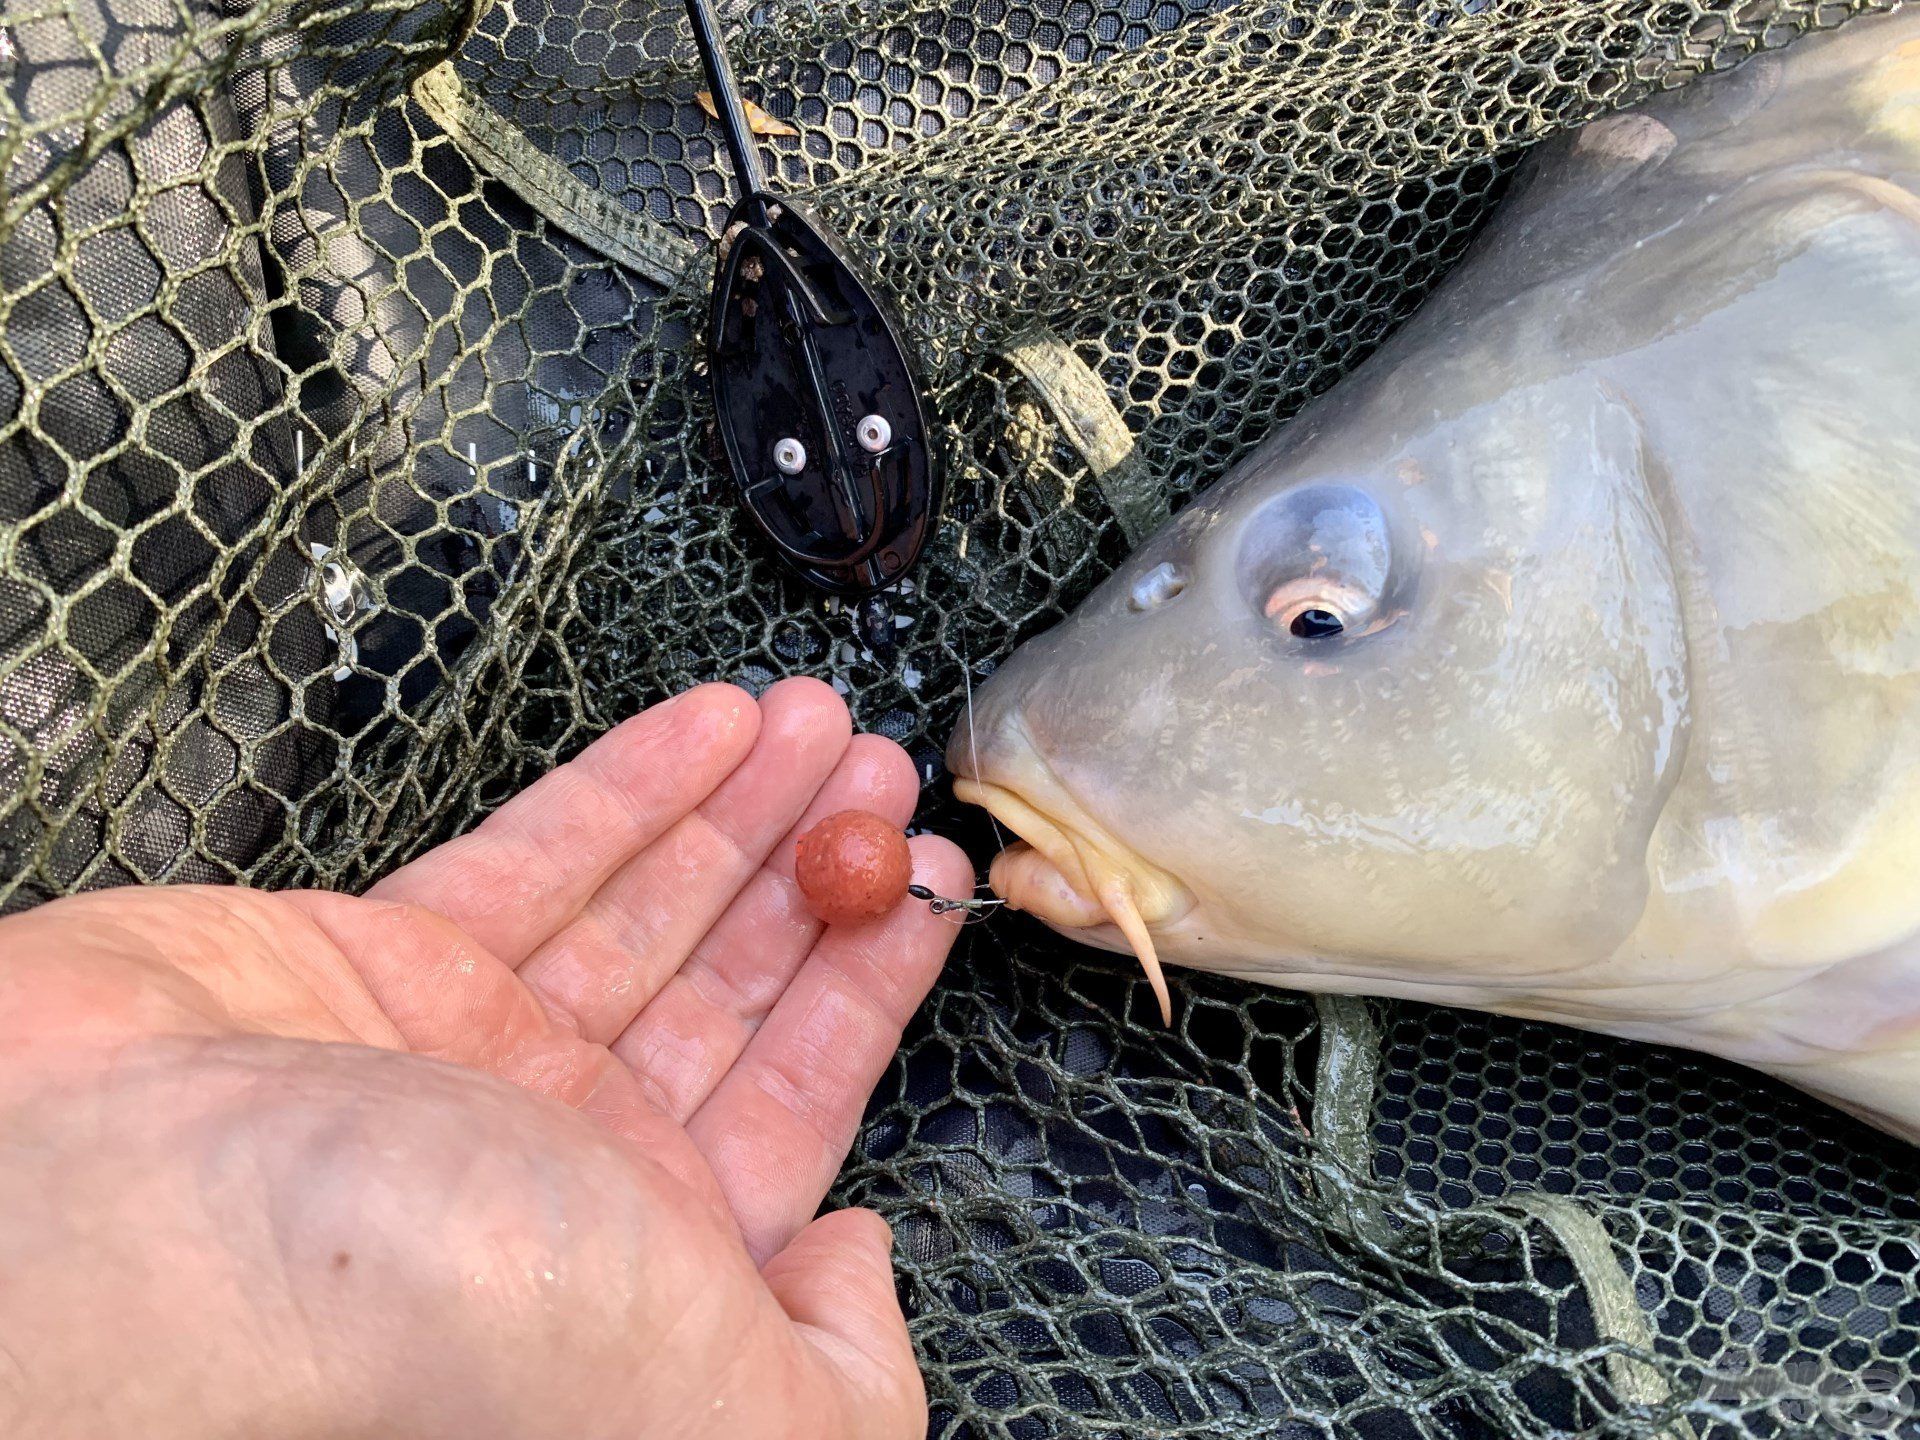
column 357, row 467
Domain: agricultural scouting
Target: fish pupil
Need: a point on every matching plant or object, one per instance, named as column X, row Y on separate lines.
column 1316, row 624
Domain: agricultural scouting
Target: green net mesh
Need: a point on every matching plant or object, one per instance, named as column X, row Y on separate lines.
column 356, row 467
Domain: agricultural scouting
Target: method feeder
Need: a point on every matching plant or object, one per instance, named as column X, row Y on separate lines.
column 818, row 405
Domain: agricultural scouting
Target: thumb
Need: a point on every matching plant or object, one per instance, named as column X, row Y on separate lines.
column 835, row 1281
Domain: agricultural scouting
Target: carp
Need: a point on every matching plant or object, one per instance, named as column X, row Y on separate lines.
column 1563, row 661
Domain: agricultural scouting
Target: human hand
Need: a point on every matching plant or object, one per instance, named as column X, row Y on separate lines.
column 526, row 1142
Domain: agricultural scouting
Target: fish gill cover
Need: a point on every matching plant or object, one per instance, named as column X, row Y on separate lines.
column 356, row 467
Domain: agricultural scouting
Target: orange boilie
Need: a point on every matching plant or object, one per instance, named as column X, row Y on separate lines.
column 852, row 867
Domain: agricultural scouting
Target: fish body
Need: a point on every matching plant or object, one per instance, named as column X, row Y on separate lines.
column 1563, row 661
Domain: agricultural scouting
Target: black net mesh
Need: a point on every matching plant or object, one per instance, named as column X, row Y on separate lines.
column 356, row 467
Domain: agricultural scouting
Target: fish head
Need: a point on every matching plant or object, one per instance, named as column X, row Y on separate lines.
column 1393, row 708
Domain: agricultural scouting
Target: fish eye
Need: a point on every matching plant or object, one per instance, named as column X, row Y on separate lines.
column 1317, row 564
column 1315, row 607
column 1314, row 623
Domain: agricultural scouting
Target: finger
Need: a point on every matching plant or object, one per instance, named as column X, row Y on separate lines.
column 836, row 1280
column 627, row 941
column 779, row 1123
column 698, row 1024
column 533, row 864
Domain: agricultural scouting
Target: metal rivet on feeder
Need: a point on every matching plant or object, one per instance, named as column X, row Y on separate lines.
column 874, row 433
column 789, row 456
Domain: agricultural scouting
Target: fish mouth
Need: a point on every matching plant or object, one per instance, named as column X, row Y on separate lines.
column 1069, row 872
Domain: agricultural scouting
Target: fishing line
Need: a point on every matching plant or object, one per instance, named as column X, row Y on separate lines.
column 976, row 908
column 973, row 747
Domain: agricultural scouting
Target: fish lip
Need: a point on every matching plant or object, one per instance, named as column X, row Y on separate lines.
column 1040, row 810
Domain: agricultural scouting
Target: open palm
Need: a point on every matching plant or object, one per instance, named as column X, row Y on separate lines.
column 526, row 1142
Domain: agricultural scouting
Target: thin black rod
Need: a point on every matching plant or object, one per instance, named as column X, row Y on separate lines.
column 747, row 173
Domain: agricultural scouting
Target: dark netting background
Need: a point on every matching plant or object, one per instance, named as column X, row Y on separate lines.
column 356, row 468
